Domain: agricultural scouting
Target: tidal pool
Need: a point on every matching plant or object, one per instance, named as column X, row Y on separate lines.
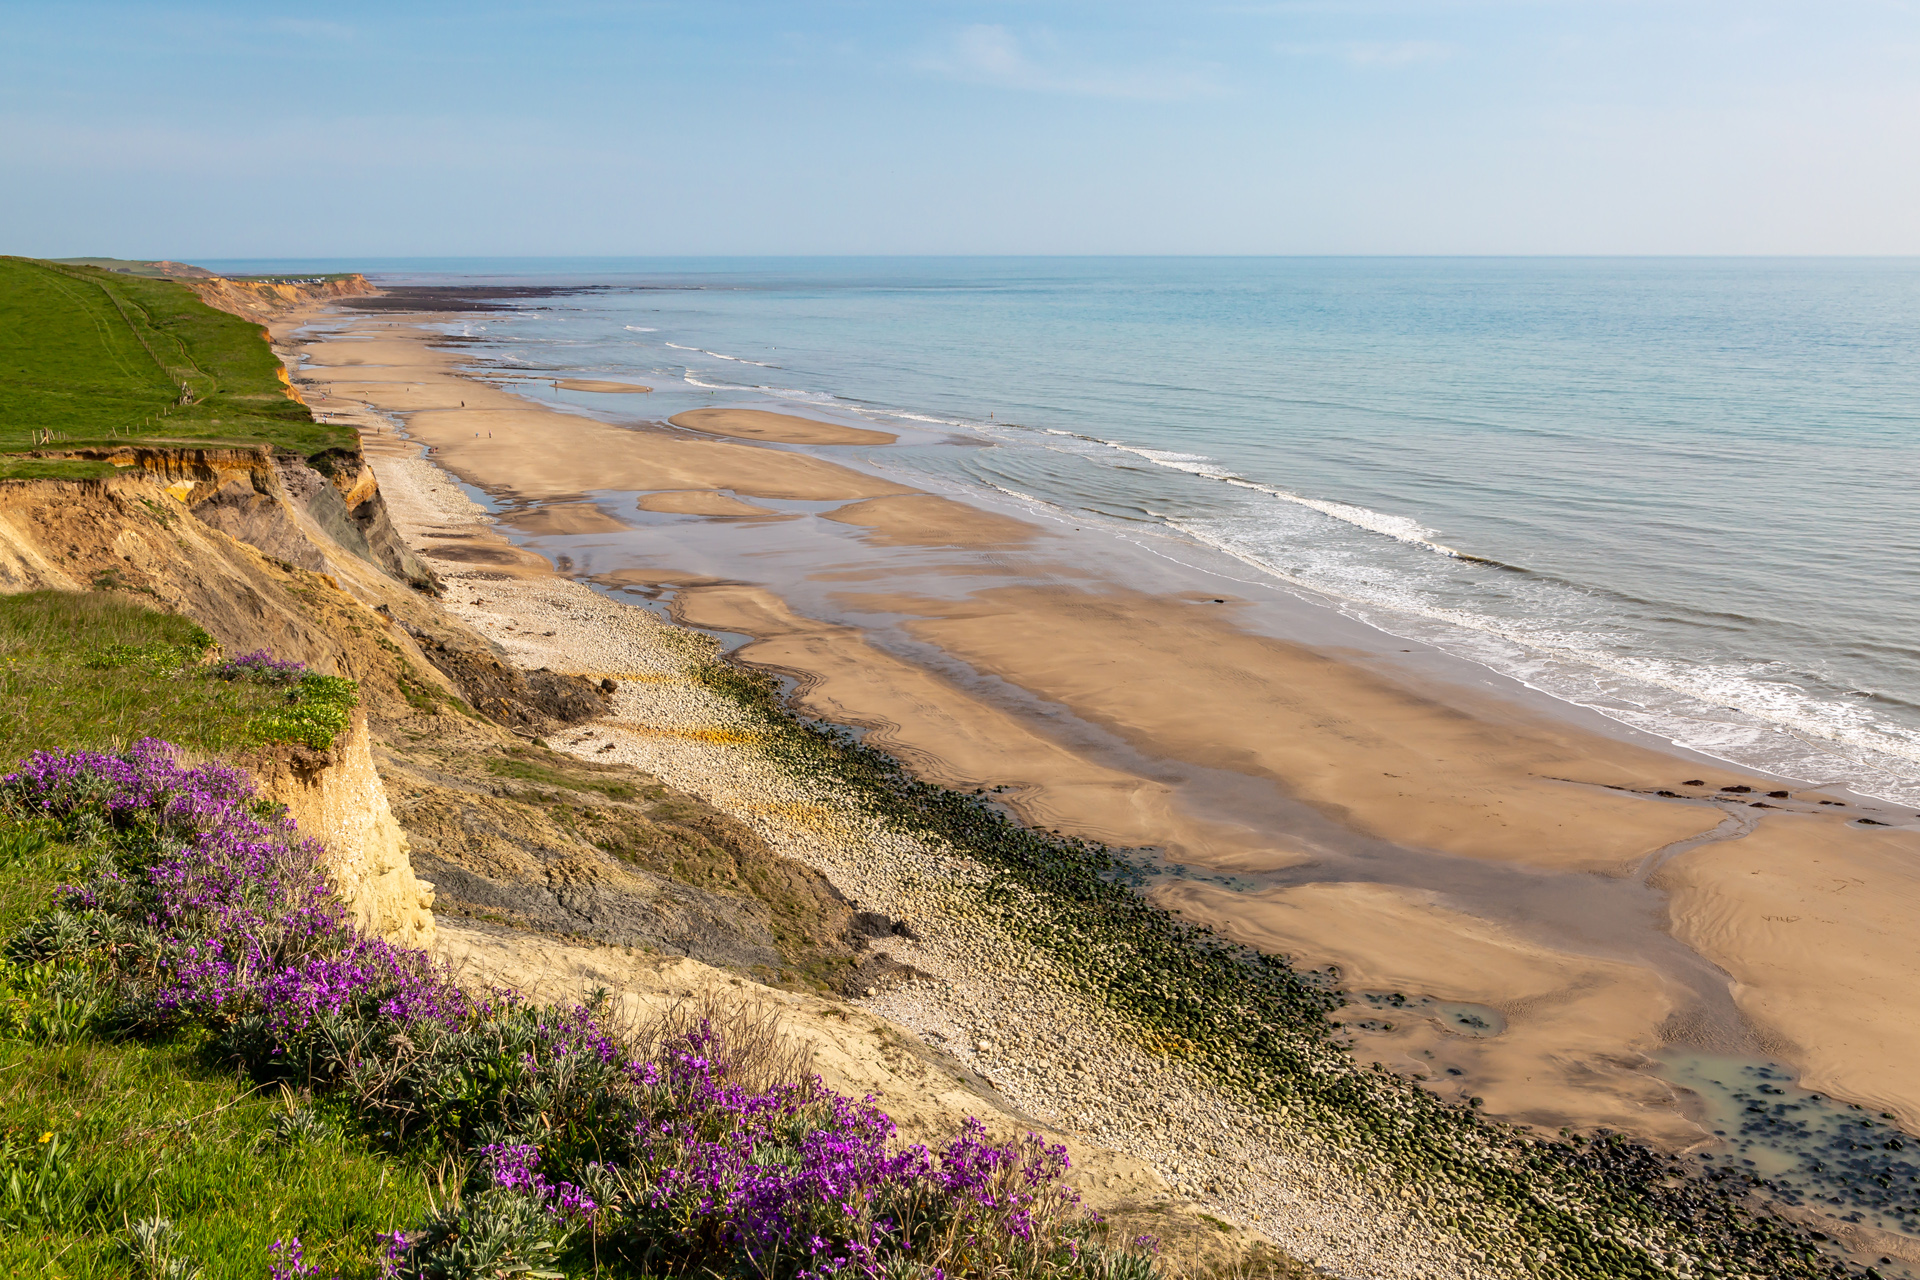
column 1833, row 1159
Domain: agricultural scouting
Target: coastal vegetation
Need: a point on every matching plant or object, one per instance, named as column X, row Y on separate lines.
column 99, row 359
column 99, row 671
column 318, row 1101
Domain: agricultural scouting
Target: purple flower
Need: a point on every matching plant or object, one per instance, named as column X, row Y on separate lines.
column 800, row 1182
column 286, row 1262
column 261, row 667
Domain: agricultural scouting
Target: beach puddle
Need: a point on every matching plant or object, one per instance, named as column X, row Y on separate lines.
column 1831, row 1159
column 1476, row 1020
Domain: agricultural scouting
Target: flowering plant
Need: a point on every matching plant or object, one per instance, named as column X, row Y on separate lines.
column 679, row 1159
column 260, row 667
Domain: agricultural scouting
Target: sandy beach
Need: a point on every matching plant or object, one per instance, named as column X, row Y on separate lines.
column 1429, row 831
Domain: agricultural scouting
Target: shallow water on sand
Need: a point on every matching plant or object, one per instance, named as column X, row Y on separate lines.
column 1680, row 491
column 1831, row 1159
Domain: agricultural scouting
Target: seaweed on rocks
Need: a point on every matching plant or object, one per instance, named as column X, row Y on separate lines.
column 1600, row 1208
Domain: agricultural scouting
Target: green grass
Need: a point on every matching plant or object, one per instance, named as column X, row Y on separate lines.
column 562, row 772
column 18, row 467
column 144, row 1130
column 100, row 670
column 92, row 357
column 123, row 266
column 96, row 1134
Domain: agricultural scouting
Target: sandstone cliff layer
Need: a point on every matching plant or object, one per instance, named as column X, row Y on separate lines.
column 267, row 299
column 338, row 799
column 138, row 533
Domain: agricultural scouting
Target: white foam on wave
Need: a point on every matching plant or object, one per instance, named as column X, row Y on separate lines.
column 1024, row 497
column 1400, row 528
column 938, row 422
column 1726, row 711
column 717, row 355
column 641, row 328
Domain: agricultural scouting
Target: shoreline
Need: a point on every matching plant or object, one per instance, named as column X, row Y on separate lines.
column 930, row 722
column 991, row 988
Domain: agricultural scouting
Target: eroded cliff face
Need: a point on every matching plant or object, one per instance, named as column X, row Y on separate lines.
column 133, row 533
column 337, row 799
column 263, row 300
column 137, row 533
column 303, row 511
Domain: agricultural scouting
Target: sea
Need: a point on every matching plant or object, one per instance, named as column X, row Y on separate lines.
column 1682, row 492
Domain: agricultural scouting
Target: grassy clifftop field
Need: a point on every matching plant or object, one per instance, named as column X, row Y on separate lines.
column 91, row 357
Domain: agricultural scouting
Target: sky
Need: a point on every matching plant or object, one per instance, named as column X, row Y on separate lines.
column 572, row 127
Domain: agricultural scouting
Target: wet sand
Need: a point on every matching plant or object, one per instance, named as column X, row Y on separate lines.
column 497, row 438
column 1576, row 1025
column 1442, row 835
column 925, row 520
column 600, row 386
column 563, row 519
column 695, row 502
column 1814, row 921
column 950, row 736
column 776, row 428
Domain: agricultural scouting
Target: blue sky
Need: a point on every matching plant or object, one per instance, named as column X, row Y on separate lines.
column 1265, row 126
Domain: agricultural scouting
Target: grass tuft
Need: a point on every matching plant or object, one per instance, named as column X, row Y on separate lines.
column 100, row 670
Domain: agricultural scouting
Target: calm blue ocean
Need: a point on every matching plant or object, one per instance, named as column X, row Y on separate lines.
column 1686, row 492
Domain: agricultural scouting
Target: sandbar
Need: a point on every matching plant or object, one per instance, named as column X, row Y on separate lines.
column 952, row 737
column 564, row 518
column 706, row 502
column 1424, row 768
column 927, row 520
column 493, row 437
column 776, row 428
column 602, row 386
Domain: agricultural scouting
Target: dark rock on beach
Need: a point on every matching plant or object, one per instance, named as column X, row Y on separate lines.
column 534, row 701
column 866, row 926
column 477, row 297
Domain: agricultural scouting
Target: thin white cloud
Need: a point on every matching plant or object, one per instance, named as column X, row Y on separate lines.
column 1372, row 53
column 989, row 54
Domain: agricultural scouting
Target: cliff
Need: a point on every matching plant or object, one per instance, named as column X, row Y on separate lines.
column 306, row 511
column 139, row 533
column 337, row 798
column 270, row 299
